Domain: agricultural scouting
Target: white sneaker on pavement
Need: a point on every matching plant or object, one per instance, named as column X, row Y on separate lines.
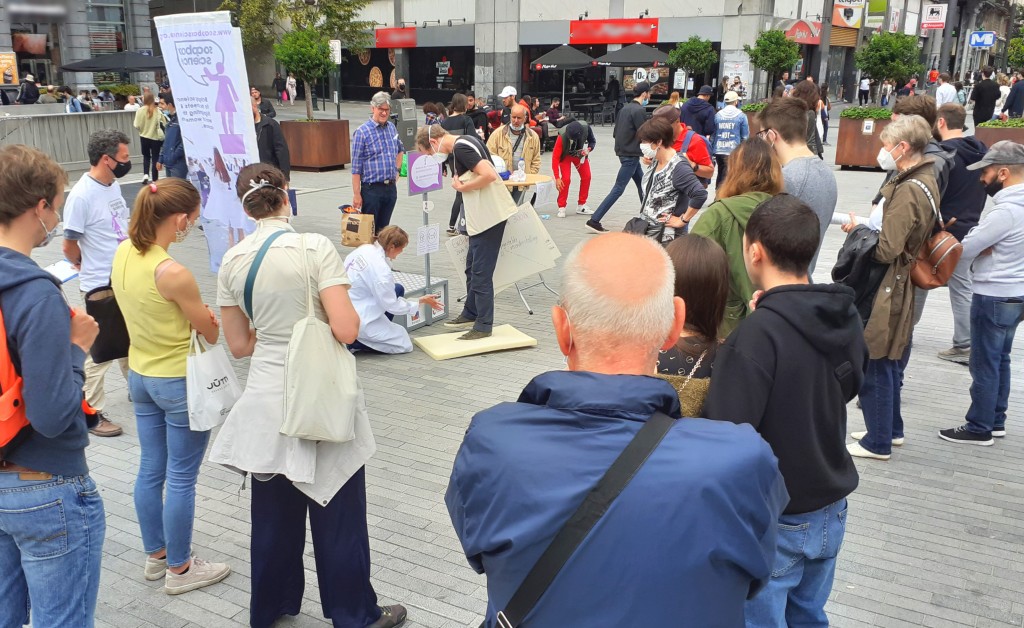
column 859, row 435
column 200, row 574
column 584, row 209
column 561, row 212
column 857, row 451
column 155, row 568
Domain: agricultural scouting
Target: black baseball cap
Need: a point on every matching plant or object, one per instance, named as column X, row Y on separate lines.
column 641, row 88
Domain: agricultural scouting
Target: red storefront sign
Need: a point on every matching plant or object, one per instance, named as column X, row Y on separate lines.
column 643, row 31
column 396, row 37
column 805, row 33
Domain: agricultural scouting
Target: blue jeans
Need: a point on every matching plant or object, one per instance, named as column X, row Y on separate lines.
column 480, row 263
column 51, row 543
column 629, row 168
column 993, row 323
column 379, row 200
column 805, row 565
column 880, row 402
column 170, row 459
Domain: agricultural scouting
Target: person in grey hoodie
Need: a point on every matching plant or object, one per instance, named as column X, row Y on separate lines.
column 51, row 535
column 998, row 303
column 699, row 114
column 731, row 128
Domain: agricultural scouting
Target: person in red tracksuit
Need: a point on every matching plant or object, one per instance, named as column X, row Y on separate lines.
column 574, row 144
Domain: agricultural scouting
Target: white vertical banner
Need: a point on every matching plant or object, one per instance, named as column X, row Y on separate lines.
column 206, row 69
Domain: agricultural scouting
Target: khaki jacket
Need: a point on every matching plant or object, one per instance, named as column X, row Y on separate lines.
column 499, row 144
column 907, row 222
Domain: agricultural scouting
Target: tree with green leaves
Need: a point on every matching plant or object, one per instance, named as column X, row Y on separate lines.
column 890, row 56
column 306, row 53
column 1015, row 51
column 774, row 53
column 694, row 56
column 263, row 22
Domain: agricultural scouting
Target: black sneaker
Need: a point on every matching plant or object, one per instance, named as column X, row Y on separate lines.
column 999, row 432
column 595, row 227
column 390, row 617
column 962, row 435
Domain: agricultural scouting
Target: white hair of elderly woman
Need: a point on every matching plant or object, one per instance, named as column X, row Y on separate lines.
column 379, row 99
column 644, row 324
column 913, row 130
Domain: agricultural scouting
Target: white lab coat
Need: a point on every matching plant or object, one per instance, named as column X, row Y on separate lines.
column 373, row 295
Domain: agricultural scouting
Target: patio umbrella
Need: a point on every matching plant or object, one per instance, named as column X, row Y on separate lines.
column 563, row 58
column 635, row 55
column 126, row 61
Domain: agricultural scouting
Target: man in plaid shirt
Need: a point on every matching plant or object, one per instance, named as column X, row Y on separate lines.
column 376, row 159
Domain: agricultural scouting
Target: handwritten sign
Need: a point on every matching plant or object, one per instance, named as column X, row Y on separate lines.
column 526, row 249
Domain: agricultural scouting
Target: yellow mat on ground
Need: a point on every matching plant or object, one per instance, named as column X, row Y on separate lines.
column 446, row 346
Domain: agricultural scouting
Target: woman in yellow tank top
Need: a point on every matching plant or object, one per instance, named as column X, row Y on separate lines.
column 161, row 304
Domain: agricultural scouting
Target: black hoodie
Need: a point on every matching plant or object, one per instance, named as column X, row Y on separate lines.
column 964, row 198
column 789, row 370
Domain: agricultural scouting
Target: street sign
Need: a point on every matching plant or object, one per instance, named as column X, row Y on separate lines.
column 934, row 16
column 983, row 39
column 335, row 51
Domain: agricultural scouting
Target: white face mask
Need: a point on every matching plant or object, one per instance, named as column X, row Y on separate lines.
column 648, row 150
column 885, row 159
column 439, row 155
column 517, row 129
column 50, row 234
column 179, row 236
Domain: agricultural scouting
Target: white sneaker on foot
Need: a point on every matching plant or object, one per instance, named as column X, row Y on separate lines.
column 200, row 574
column 859, row 435
column 584, row 209
column 155, row 568
column 857, row 451
column 561, row 212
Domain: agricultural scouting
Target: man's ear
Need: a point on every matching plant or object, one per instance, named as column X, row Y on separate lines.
column 677, row 323
column 563, row 333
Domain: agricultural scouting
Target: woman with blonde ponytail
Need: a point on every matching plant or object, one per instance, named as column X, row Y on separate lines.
column 161, row 304
column 150, row 123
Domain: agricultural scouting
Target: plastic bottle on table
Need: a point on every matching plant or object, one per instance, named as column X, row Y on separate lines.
column 520, row 173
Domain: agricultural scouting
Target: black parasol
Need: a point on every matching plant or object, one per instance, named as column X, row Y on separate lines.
column 563, row 58
column 635, row 55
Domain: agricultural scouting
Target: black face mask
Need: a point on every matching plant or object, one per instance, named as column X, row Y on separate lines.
column 122, row 168
column 995, row 187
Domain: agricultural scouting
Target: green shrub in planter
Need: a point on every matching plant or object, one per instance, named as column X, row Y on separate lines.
column 753, row 107
column 866, row 113
column 124, row 89
column 1012, row 123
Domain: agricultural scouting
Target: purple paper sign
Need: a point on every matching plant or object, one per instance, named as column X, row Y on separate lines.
column 424, row 174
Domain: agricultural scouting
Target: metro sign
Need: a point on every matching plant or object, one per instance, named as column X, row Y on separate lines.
column 643, row 31
column 983, row 39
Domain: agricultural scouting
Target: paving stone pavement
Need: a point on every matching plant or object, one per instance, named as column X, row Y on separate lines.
column 934, row 535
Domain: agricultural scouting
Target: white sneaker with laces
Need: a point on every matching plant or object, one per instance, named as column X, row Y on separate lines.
column 584, row 209
column 200, row 574
column 155, row 568
column 561, row 212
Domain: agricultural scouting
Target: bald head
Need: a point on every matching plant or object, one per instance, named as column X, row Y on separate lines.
column 517, row 116
column 617, row 293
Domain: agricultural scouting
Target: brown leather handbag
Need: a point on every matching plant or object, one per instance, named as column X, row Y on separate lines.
column 939, row 255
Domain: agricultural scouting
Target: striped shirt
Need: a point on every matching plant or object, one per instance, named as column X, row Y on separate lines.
column 375, row 150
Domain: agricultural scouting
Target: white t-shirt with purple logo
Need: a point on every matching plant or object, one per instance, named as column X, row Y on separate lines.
column 98, row 214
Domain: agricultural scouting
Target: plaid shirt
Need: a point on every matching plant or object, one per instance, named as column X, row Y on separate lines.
column 375, row 150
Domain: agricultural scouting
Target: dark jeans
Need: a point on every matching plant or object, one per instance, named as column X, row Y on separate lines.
column 379, row 200
column 480, row 262
column 150, row 156
column 358, row 346
column 723, row 166
column 994, row 321
column 456, row 210
column 824, row 126
column 864, row 96
column 629, row 168
column 341, row 549
column 880, row 402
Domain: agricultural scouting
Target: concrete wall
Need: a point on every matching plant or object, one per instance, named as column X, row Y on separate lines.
column 64, row 137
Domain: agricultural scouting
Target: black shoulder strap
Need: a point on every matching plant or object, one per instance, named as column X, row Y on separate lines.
column 579, row 525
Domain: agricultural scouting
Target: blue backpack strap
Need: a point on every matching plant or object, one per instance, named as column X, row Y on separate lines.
column 250, row 280
column 686, row 140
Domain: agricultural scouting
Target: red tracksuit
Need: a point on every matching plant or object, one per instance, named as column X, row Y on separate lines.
column 563, row 170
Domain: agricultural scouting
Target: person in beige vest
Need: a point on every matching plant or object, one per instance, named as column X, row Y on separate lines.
column 515, row 141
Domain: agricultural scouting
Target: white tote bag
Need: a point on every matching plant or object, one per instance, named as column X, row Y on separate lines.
column 321, row 384
column 211, row 385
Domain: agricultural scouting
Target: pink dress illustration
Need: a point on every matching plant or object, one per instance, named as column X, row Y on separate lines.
column 226, row 98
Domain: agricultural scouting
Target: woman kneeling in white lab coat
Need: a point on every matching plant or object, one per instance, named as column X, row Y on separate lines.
column 376, row 296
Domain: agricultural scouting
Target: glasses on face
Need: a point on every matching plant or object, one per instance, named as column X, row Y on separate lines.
column 385, row 109
column 763, row 134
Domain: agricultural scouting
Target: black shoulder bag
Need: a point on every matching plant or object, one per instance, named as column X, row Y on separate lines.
column 643, row 224
column 579, row 525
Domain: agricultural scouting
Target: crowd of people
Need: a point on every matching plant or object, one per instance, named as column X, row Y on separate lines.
column 581, row 461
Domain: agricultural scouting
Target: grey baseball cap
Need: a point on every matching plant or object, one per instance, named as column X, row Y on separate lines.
column 1003, row 153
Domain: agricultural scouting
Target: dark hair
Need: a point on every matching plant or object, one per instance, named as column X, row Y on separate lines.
column 702, row 281
column 172, row 196
column 955, row 115
column 267, row 200
column 753, row 167
column 470, row 94
column 105, row 142
column 64, row 89
column 441, row 109
column 787, row 117
column 27, row 175
column 430, row 107
column 808, row 92
column 945, row 77
column 168, row 99
column 987, row 71
column 918, row 105
column 657, row 130
column 788, row 230
column 958, row 85
column 459, row 103
column 778, row 92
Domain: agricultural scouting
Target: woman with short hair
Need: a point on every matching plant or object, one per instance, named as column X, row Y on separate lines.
column 671, row 192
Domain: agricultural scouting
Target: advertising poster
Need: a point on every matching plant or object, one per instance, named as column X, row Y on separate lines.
column 9, row 68
column 876, row 13
column 206, row 70
column 848, row 13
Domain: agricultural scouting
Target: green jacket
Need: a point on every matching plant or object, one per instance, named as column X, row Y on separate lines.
column 724, row 221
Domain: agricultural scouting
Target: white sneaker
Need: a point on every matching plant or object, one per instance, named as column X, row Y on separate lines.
column 155, row 568
column 584, row 209
column 859, row 435
column 561, row 212
column 145, row 179
column 200, row 574
column 856, row 451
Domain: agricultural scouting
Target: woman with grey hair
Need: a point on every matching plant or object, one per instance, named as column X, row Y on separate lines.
column 910, row 199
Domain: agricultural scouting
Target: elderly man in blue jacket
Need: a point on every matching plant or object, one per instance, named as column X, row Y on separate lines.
column 691, row 535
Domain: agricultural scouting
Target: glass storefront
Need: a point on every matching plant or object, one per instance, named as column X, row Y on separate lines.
column 105, row 23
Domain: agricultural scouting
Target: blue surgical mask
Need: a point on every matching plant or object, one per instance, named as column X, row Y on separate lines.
column 646, row 101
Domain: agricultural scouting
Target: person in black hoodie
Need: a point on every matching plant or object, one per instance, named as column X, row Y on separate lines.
column 789, row 370
column 964, row 200
column 270, row 141
column 699, row 114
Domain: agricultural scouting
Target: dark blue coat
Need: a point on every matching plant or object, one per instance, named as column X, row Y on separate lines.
column 172, row 153
column 685, row 542
column 699, row 115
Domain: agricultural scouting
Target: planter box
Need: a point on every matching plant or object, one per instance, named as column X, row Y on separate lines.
column 318, row 145
column 754, row 121
column 993, row 135
column 858, row 148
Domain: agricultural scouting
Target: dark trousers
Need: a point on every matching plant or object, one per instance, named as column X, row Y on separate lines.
column 824, row 126
column 341, row 548
column 723, row 166
column 480, row 262
column 864, row 96
column 358, row 346
column 150, row 156
column 629, row 168
column 379, row 200
column 456, row 210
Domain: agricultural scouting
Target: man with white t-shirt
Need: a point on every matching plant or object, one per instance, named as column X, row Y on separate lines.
column 946, row 93
column 95, row 222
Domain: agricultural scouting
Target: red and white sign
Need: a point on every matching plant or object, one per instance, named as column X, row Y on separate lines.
column 396, row 37
column 934, row 16
column 644, row 31
column 805, row 33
